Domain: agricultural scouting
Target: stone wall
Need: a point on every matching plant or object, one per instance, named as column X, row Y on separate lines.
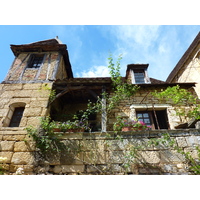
column 33, row 96
column 98, row 153
column 143, row 100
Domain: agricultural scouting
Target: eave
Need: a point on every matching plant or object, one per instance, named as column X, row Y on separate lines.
column 45, row 47
column 184, row 58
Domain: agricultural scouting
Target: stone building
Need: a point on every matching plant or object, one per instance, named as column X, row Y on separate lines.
column 188, row 67
column 42, row 67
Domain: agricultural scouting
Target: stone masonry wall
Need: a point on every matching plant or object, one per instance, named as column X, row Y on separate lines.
column 143, row 101
column 33, row 96
column 96, row 153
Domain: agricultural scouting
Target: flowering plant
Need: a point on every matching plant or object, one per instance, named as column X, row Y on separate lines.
column 132, row 125
column 72, row 125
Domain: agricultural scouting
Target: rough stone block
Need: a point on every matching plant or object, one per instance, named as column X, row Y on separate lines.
column 6, row 145
column 150, row 157
column 7, row 155
column 25, row 100
column 57, row 169
column 3, row 112
column 23, row 158
column 98, row 157
column 167, row 168
column 13, row 86
column 116, row 157
column 181, row 141
column 33, row 121
column 13, row 137
column 28, row 168
column 13, row 168
column 3, row 102
column 87, row 145
column 192, row 141
column 72, row 168
column 23, row 122
column 31, row 112
column 35, row 104
column 67, row 158
column 116, row 145
column 172, row 156
column 52, row 159
column 32, row 86
column 24, row 146
column 193, row 152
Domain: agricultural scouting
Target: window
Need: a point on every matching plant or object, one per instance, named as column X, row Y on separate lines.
column 139, row 77
column 157, row 119
column 35, row 60
column 16, row 117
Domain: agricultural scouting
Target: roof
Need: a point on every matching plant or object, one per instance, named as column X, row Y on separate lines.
column 185, row 56
column 46, row 46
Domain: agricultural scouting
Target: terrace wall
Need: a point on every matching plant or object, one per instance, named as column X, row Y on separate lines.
column 98, row 153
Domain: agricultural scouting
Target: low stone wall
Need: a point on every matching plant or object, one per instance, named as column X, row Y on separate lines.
column 99, row 153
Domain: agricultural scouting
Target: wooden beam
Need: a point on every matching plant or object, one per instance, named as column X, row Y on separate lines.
column 104, row 114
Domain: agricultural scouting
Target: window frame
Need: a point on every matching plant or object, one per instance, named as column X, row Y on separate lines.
column 139, row 76
column 155, row 121
column 144, row 80
column 36, row 59
column 16, row 116
column 9, row 115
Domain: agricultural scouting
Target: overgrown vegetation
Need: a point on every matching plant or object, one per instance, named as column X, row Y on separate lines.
column 45, row 137
column 47, row 140
column 186, row 104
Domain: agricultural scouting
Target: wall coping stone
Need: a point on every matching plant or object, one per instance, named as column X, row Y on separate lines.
column 130, row 134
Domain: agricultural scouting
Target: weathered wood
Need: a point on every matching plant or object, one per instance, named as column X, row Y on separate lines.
column 56, row 67
column 49, row 66
column 104, row 114
column 40, row 68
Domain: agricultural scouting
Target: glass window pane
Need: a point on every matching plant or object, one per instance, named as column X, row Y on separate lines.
column 146, row 115
column 139, row 115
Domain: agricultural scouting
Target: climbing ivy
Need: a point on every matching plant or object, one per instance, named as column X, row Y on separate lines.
column 182, row 99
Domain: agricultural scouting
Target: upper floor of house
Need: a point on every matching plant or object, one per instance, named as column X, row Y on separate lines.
column 42, row 61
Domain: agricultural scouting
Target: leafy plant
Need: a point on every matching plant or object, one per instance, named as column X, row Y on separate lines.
column 182, row 99
column 121, row 89
column 194, row 164
column 45, row 137
column 72, row 125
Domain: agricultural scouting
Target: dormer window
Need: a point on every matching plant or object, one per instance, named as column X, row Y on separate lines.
column 35, row 60
column 138, row 73
column 139, row 76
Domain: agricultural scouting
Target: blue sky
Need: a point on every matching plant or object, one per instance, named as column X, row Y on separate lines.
column 89, row 45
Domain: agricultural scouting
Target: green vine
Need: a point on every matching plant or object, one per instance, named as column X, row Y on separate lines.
column 46, row 139
column 168, row 141
column 182, row 99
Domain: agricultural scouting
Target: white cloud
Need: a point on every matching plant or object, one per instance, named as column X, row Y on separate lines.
column 136, row 35
column 96, row 71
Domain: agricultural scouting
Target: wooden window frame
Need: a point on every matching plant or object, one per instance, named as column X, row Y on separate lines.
column 16, row 117
column 35, row 61
column 156, row 122
column 139, row 76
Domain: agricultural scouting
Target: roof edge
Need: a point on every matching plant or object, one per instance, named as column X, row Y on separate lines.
column 183, row 58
